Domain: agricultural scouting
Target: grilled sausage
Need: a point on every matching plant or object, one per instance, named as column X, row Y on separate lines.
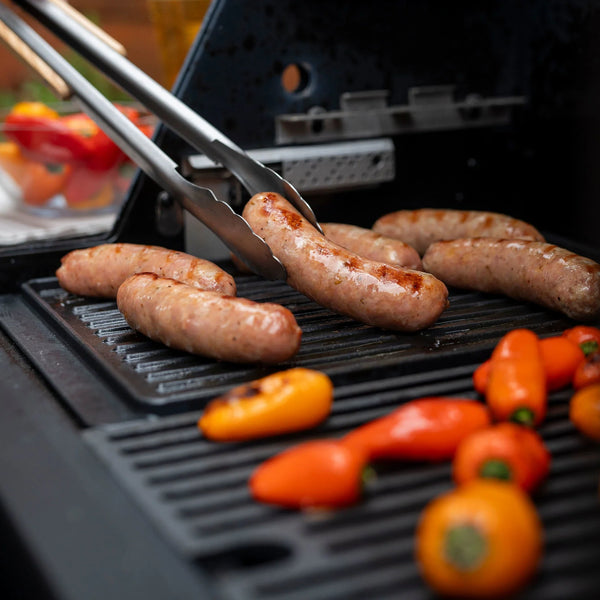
column 537, row 272
column 99, row 271
column 372, row 245
column 420, row 228
column 208, row 323
column 368, row 291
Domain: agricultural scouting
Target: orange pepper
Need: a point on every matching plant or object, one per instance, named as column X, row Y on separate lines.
column 279, row 403
column 481, row 376
column 42, row 182
column 12, row 161
column 584, row 411
column 483, row 539
column 37, row 181
column 504, row 451
column 423, row 429
column 561, row 357
column 314, row 474
column 516, row 389
column 585, row 336
column 588, row 371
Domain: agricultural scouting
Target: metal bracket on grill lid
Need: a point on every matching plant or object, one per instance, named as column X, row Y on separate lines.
column 367, row 114
column 317, row 168
column 311, row 169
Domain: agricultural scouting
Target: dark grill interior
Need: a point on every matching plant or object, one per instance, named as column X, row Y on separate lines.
column 195, row 491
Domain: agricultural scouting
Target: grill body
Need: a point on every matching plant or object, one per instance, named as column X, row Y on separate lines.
column 107, row 489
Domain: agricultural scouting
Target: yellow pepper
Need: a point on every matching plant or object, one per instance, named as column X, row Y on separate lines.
column 282, row 402
column 34, row 109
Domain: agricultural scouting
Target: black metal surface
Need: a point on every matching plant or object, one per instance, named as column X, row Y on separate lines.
column 92, row 441
column 161, row 379
column 195, row 491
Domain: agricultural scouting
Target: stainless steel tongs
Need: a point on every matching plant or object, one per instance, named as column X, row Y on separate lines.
column 201, row 202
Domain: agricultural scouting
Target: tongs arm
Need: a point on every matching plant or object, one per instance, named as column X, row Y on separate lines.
column 201, row 202
column 200, row 134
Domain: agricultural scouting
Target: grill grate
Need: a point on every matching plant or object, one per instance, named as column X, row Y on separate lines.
column 164, row 379
column 195, row 492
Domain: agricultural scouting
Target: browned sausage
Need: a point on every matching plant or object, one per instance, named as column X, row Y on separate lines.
column 525, row 270
column 208, row 323
column 99, row 271
column 423, row 226
column 340, row 280
column 372, row 245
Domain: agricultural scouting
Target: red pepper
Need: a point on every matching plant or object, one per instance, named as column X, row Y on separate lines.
column 585, row 336
column 72, row 139
column 504, row 451
column 423, row 429
column 516, row 389
column 46, row 140
column 314, row 474
column 86, row 183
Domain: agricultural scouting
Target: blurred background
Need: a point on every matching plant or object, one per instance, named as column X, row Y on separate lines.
column 156, row 36
column 134, row 23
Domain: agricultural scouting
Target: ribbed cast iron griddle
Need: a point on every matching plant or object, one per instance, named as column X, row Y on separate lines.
column 163, row 379
column 195, row 491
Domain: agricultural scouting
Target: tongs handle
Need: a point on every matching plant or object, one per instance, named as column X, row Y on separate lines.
column 198, row 132
column 201, row 202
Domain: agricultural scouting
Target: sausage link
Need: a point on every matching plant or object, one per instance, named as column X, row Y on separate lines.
column 208, row 323
column 536, row 272
column 368, row 291
column 99, row 271
column 420, row 228
column 373, row 245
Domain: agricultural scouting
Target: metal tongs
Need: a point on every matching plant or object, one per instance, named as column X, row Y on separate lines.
column 106, row 54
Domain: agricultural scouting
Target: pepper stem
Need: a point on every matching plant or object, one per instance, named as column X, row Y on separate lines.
column 523, row 416
column 465, row 547
column 589, row 347
column 494, row 468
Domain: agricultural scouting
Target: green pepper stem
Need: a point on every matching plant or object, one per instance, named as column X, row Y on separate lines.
column 465, row 547
column 523, row 416
column 494, row 468
column 589, row 347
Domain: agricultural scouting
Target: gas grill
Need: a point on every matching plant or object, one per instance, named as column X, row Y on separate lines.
column 107, row 488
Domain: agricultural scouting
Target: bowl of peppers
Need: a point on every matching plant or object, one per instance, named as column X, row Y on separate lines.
column 63, row 163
